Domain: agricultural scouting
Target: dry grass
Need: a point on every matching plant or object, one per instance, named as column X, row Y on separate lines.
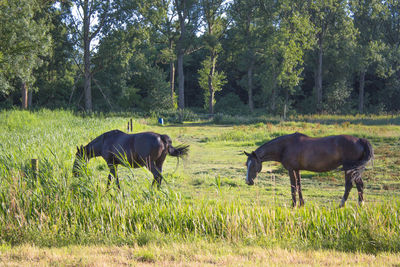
column 188, row 254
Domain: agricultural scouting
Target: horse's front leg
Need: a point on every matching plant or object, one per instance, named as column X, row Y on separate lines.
column 293, row 186
column 110, row 166
column 113, row 173
column 297, row 173
column 347, row 187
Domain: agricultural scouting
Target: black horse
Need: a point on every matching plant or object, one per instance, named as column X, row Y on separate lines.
column 299, row 152
column 142, row 149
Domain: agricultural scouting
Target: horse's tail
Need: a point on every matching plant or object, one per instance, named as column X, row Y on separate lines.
column 367, row 156
column 178, row 151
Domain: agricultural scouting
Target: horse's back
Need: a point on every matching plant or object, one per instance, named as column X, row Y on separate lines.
column 147, row 140
column 324, row 153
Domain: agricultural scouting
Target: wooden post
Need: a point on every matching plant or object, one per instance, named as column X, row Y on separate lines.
column 128, row 127
column 35, row 167
column 131, row 126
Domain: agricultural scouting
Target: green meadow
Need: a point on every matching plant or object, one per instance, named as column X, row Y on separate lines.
column 203, row 202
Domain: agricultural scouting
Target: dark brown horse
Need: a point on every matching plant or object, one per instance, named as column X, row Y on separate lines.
column 299, row 152
column 142, row 149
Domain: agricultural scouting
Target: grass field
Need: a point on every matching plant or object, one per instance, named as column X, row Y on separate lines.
column 203, row 203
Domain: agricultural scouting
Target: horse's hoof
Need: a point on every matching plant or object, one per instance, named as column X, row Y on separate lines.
column 342, row 203
column 361, row 203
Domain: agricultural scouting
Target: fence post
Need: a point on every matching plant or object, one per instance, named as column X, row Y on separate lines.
column 131, row 126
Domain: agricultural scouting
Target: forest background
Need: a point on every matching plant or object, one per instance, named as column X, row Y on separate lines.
column 210, row 56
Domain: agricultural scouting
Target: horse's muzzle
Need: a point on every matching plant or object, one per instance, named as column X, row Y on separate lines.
column 250, row 182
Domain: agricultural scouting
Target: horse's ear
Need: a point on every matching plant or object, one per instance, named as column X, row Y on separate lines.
column 255, row 155
column 247, row 154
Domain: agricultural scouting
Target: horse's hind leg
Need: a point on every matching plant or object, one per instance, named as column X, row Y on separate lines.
column 348, row 186
column 360, row 188
column 298, row 176
column 156, row 171
column 293, row 186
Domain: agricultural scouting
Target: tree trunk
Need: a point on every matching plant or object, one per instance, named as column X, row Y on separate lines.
column 273, row 100
column 181, row 52
column 24, row 99
column 318, row 78
column 172, row 76
column 210, row 83
column 286, row 105
column 172, row 81
column 361, row 92
column 181, row 80
column 29, row 98
column 86, row 56
column 250, row 85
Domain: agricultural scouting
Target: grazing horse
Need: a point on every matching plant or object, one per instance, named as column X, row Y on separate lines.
column 142, row 149
column 299, row 152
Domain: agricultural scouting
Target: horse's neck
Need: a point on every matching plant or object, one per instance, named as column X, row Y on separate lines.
column 270, row 151
column 93, row 149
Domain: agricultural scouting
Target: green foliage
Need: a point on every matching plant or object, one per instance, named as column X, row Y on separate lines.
column 129, row 76
column 337, row 99
column 24, row 40
column 231, row 104
column 218, row 79
column 266, row 52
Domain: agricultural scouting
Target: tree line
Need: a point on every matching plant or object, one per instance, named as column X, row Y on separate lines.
column 236, row 56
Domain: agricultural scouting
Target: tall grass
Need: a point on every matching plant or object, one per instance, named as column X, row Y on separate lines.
column 55, row 208
column 60, row 209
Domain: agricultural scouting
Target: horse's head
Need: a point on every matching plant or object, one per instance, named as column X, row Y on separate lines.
column 254, row 166
column 80, row 156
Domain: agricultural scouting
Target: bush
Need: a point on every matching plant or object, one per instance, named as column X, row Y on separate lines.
column 231, row 104
column 338, row 98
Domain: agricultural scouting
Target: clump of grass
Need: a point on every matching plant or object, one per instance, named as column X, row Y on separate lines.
column 145, row 256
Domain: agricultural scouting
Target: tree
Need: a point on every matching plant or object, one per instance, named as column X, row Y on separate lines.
column 188, row 13
column 56, row 77
column 210, row 79
column 24, row 40
column 289, row 37
column 331, row 21
column 369, row 44
column 92, row 16
column 246, row 19
column 390, row 69
column 161, row 15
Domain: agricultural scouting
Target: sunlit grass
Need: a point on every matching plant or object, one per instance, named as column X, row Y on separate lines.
column 204, row 199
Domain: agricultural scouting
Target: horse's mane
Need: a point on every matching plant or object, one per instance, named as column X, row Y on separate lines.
column 101, row 137
column 279, row 138
column 260, row 151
